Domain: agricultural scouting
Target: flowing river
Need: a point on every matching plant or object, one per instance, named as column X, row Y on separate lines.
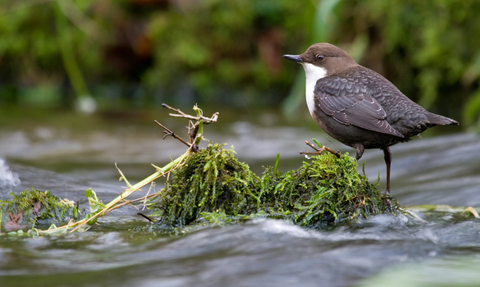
column 439, row 248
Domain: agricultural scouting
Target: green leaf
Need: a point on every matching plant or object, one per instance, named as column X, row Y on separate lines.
column 89, row 192
column 91, row 221
column 276, row 164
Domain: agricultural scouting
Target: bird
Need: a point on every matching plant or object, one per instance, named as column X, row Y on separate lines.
column 359, row 107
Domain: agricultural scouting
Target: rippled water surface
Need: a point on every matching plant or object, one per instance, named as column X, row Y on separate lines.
column 438, row 247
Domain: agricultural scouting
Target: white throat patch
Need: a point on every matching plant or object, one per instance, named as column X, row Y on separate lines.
column 312, row 74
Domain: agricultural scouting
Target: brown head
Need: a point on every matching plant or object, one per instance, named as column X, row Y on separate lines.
column 330, row 58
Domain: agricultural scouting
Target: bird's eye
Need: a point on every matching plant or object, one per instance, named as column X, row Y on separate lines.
column 319, row 57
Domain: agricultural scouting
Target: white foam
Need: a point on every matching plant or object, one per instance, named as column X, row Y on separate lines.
column 7, row 177
column 280, row 226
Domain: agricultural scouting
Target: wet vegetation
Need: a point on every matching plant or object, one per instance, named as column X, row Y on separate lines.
column 36, row 209
column 214, row 187
column 210, row 186
column 211, row 180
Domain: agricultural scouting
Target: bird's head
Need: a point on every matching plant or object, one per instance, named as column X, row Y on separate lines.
column 323, row 59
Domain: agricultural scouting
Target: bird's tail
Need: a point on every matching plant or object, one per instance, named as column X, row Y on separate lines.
column 439, row 120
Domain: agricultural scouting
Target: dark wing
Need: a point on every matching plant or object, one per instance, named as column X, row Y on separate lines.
column 352, row 104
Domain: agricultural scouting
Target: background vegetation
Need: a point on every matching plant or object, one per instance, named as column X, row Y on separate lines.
column 140, row 53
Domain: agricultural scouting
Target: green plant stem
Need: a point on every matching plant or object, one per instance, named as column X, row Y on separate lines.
column 110, row 206
column 132, row 188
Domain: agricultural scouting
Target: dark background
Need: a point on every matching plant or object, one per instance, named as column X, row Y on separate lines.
column 132, row 55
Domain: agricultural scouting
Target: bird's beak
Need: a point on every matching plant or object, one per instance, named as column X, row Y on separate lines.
column 295, row 58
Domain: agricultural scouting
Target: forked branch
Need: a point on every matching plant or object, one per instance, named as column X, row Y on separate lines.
column 320, row 150
column 181, row 114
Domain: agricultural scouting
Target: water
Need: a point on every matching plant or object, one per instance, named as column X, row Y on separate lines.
column 439, row 248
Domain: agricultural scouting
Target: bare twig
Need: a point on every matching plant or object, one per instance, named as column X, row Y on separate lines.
column 146, row 217
column 192, row 131
column 144, row 197
column 169, row 132
column 181, row 114
column 320, row 150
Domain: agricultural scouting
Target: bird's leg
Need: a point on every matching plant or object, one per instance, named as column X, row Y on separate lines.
column 388, row 159
column 360, row 150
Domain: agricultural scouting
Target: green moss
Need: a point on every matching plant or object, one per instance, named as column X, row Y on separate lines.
column 213, row 187
column 40, row 207
column 212, row 180
column 323, row 191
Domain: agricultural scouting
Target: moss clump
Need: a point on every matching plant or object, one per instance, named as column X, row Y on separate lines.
column 325, row 190
column 214, row 187
column 40, row 207
column 211, row 180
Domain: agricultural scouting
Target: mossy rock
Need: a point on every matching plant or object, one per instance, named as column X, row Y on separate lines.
column 214, row 187
column 38, row 207
column 323, row 191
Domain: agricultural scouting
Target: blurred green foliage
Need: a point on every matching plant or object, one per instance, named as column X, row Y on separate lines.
column 43, row 41
column 229, row 52
column 222, row 48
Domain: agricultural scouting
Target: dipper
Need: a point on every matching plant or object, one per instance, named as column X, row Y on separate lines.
column 358, row 106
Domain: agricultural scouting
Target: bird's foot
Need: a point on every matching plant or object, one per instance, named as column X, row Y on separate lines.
column 387, row 199
column 389, row 203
